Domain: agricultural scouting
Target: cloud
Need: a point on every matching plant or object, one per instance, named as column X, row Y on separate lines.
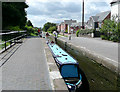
column 42, row 11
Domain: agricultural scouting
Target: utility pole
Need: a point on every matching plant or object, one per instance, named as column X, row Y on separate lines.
column 83, row 15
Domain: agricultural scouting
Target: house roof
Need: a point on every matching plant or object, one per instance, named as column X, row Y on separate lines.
column 88, row 26
column 115, row 1
column 98, row 18
column 95, row 18
column 102, row 15
column 70, row 21
column 62, row 23
column 77, row 24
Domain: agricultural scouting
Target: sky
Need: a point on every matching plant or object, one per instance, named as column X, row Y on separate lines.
column 56, row 11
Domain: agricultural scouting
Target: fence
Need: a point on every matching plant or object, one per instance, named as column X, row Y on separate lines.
column 10, row 37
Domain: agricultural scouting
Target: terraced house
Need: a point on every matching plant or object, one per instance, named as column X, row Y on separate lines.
column 65, row 26
column 97, row 20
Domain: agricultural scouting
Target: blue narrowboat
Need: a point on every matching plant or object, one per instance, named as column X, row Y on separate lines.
column 68, row 67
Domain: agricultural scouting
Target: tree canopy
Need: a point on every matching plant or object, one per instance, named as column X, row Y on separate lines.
column 14, row 14
column 29, row 23
column 52, row 29
column 47, row 26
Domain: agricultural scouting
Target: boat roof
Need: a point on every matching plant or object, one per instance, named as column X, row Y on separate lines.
column 61, row 55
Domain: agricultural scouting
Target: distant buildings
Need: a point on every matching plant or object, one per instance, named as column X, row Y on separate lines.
column 94, row 22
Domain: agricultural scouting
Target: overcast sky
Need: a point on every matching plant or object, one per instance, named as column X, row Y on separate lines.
column 42, row 11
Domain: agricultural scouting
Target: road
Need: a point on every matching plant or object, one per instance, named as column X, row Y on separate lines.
column 27, row 68
column 101, row 47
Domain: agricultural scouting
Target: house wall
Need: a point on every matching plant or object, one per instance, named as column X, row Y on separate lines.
column 69, row 31
column 92, row 24
column 115, row 9
column 62, row 27
column 108, row 17
column 66, row 27
column 95, row 25
column 59, row 28
column 101, row 23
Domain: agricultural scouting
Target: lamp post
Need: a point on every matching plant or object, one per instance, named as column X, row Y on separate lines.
column 83, row 15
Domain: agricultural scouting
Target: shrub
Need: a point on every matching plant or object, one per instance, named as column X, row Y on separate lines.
column 13, row 28
column 31, row 31
column 103, row 37
column 86, row 31
column 110, row 30
column 66, row 31
column 77, row 33
column 114, row 38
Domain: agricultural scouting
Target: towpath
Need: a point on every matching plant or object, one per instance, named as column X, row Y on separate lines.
column 103, row 48
column 27, row 68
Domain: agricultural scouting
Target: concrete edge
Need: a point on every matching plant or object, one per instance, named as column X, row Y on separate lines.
column 56, row 79
column 106, row 62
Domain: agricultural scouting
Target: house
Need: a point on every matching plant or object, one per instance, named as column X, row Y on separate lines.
column 65, row 26
column 76, row 26
column 62, row 27
column 97, row 20
column 103, row 16
column 115, row 9
column 92, row 23
column 59, row 27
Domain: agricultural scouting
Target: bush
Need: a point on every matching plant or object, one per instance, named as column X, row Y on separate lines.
column 110, row 30
column 77, row 33
column 114, row 38
column 66, row 31
column 13, row 28
column 48, row 25
column 103, row 37
column 84, row 32
column 31, row 31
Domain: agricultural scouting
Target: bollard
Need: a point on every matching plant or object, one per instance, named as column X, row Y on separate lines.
column 65, row 46
column 69, row 37
column 55, row 40
column 92, row 35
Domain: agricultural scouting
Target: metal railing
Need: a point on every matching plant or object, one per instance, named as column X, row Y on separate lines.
column 13, row 40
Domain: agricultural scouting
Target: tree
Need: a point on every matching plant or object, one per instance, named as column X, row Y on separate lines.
column 47, row 26
column 29, row 23
column 51, row 29
column 14, row 14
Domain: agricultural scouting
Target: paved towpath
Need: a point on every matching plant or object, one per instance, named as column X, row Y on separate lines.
column 27, row 68
column 104, row 48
